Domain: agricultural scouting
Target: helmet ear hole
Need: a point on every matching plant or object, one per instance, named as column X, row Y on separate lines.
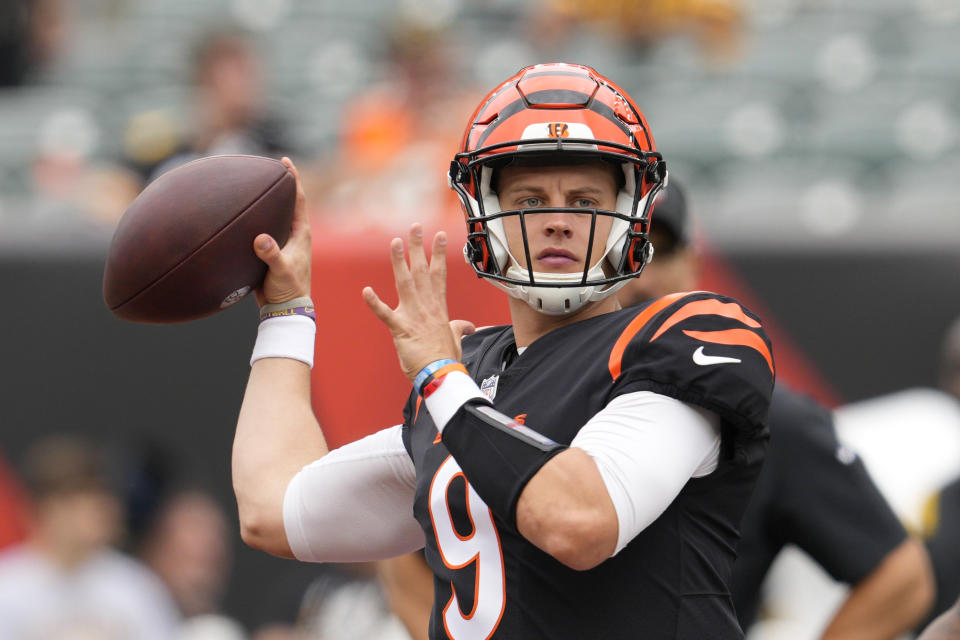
column 472, row 252
column 653, row 171
column 477, row 251
column 458, row 174
column 639, row 254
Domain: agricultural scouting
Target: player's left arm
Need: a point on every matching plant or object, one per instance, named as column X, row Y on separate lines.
column 620, row 473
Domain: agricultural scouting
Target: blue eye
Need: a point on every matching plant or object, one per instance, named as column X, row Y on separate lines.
column 530, row 203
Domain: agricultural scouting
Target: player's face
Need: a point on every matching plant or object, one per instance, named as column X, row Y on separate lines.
column 558, row 241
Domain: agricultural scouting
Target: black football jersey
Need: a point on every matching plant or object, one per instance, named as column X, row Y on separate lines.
column 942, row 531
column 671, row 581
column 812, row 493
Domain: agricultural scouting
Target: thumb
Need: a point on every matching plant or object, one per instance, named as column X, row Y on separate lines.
column 266, row 248
column 462, row 328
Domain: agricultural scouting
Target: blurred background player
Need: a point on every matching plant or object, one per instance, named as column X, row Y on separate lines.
column 941, row 518
column 65, row 581
column 187, row 544
column 32, row 34
column 909, row 441
column 396, row 136
column 229, row 111
column 943, row 544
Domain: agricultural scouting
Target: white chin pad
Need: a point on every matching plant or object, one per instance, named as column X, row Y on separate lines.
column 558, row 300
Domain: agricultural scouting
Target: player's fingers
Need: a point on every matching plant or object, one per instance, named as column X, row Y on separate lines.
column 460, row 328
column 380, row 309
column 401, row 273
column 418, row 259
column 267, row 250
column 438, row 267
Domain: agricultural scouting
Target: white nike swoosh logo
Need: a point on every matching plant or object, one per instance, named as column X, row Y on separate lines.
column 703, row 359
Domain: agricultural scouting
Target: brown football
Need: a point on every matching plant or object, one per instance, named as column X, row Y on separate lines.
column 184, row 248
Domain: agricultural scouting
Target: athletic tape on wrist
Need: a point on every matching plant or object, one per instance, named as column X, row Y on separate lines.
column 301, row 306
column 290, row 336
column 498, row 455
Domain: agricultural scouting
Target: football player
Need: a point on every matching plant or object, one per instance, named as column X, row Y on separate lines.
column 579, row 473
column 812, row 492
column 836, row 515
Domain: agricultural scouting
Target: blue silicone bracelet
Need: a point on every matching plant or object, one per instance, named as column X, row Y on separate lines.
column 428, row 370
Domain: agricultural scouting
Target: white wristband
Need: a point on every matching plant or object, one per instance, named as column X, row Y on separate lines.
column 286, row 337
column 456, row 389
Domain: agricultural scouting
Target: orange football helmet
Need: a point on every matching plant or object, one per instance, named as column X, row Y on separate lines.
column 549, row 114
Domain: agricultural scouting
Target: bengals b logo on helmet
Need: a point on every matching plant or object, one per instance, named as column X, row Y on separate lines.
column 558, row 130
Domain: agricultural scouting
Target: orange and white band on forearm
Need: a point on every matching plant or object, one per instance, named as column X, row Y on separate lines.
column 444, row 401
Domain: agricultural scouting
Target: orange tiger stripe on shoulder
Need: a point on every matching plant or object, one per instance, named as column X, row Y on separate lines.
column 740, row 337
column 706, row 308
column 616, row 356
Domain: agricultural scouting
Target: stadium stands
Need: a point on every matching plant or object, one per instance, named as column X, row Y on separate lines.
column 867, row 84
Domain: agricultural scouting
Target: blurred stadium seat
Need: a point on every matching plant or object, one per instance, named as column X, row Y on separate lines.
column 815, row 78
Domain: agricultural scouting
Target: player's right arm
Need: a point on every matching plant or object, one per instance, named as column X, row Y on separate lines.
column 294, row 497
column 277, row 433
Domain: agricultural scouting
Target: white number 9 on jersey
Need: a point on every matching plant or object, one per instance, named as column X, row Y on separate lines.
column 482, row 546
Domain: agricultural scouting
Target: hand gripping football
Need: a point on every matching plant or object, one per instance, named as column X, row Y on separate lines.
column 184, row 248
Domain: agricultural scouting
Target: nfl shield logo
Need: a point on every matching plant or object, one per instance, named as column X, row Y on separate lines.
column 489, row 387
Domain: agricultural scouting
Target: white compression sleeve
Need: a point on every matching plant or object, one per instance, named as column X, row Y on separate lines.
column 355, row 503
column 646, row 447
